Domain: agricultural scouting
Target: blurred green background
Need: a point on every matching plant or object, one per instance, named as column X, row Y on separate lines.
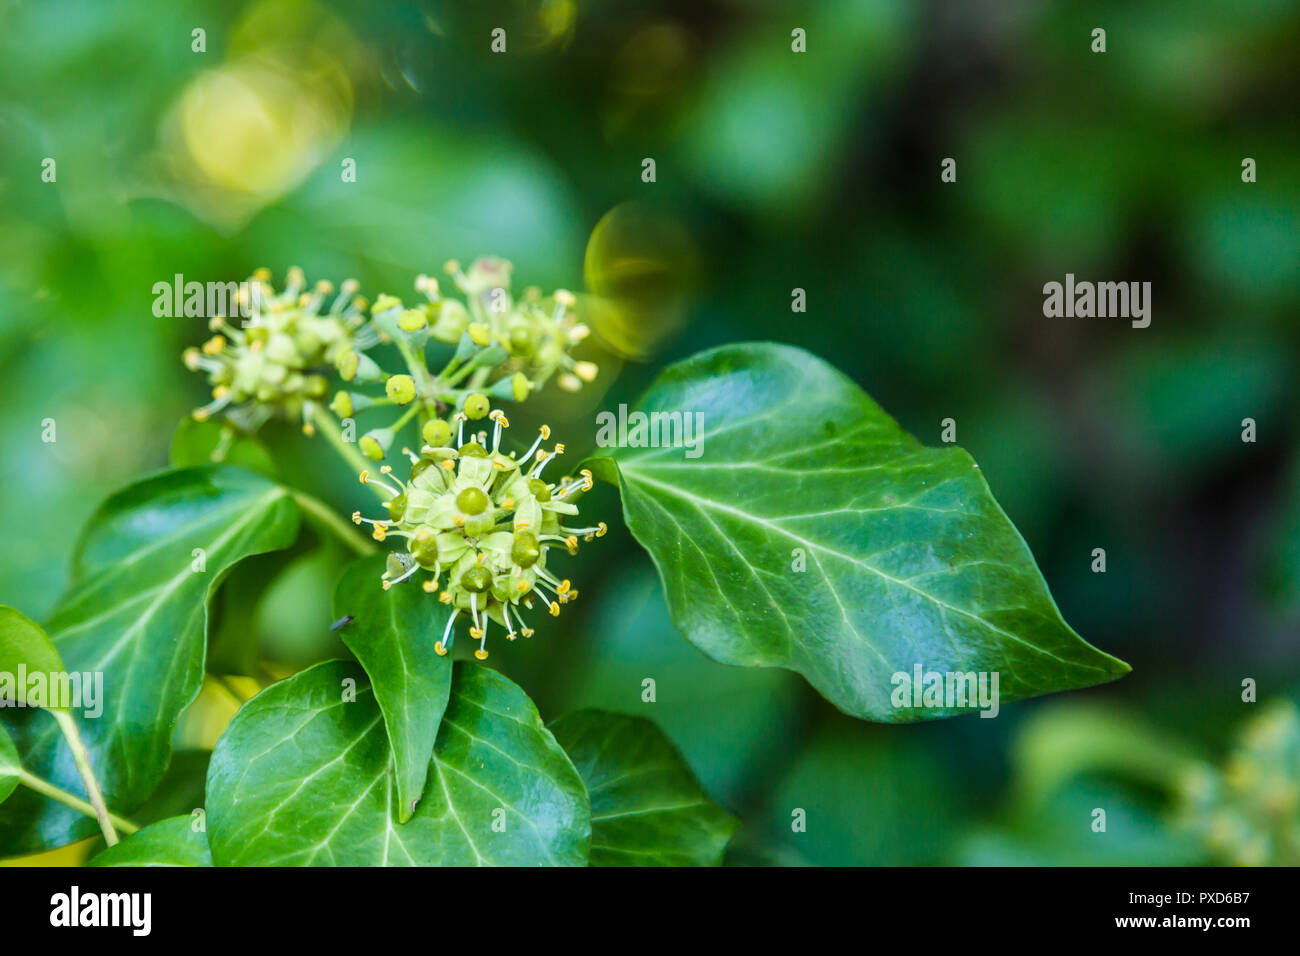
column 775, row 171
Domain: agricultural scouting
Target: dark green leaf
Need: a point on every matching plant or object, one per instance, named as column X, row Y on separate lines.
column 303, row 776
column 392, row 633
column 907, row 558
column 136, row 612
column 170, row 842
column 647, row 809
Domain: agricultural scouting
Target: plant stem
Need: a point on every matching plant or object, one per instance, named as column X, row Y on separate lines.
column 350, row 453
column 47, row 789
column 79, row 754
column 332, row 521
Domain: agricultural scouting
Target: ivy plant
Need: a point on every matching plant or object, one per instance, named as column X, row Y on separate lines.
column 808, row 532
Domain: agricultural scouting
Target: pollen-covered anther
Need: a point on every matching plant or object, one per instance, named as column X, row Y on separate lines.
column 430, row 586
column 555, row 609
column 445, row 597
column 356, row 517
column 571, row 542
column 439, row 649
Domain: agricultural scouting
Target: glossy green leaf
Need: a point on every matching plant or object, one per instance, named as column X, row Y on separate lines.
column 647, row 809
column 170, row 842
column 9, row 765
column 303, row 776
column 209, row 443
column 392, row 633
column 24, row 649
column 811, row 532
column 136, row 612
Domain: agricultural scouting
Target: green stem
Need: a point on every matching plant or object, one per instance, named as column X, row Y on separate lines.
column 47, row 789
column 350, row 453
column 82, row 758
column 332, row 521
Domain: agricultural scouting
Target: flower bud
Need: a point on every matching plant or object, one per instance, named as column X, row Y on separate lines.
column 476, row 406
column 375, row 443
column 436, row 432
column 400, row 389
column 412, row 320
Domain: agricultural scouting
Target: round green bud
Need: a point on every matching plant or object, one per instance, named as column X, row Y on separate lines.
column 437, row 433
column 476, row 406
column 371, row 448
column 400, row 389
column 521, row 385
column 397, row 507
column 472, row 501
column 539, row 489
column 477, row 579
column 526, row 549
column 425, row 550
column 342, row 405
column 472, row 449
column 479, row 333
column 347, row 365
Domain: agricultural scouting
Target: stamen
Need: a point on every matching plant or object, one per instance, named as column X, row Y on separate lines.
column 448, row 635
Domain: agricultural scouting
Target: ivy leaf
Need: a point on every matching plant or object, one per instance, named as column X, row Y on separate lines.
column 647, row 809
column 392, row 633
column 195, row 443
column 811, row 532
column 303, row 776
column 136, row 613
column 170, row 842
column 9, row 765
column 24, row 647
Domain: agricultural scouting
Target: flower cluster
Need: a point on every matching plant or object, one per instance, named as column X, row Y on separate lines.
column 274, row 360
column 1248, row 813
column 483, row 519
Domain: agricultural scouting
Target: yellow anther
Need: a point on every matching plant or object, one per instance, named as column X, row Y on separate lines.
column 430, row 586
column 449, row 464
column 565, row 586
column 364, row 477
column 308, row 429
column 385, row 469
column 546, row 432
column 521, row 525
column 356, row 517
column 475, row 633
column 528, row 632
column 481, row 654
column 445, row 597
column 559, row 449
column 523, row 587
column 571, row 542
column 509, row 502
column 387, row 585
column 510, row 635
column 214, row 345
column 439, row 649
column 601, row 528
column 555, row 609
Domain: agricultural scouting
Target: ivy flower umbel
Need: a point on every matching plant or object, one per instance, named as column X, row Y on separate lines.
column 479, row 524
column 274, row 360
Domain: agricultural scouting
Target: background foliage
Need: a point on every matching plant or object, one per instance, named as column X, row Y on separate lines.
column 774, row 171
